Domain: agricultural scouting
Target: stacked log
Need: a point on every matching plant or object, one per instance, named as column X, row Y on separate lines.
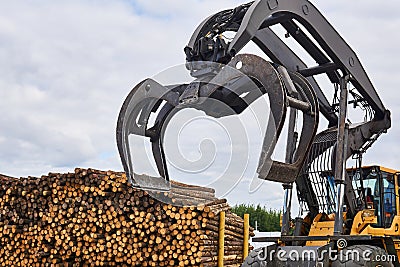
column 96, row 218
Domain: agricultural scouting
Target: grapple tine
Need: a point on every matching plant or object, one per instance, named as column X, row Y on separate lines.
column 133, row 119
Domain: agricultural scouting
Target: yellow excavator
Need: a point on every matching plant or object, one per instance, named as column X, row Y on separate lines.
column 348, row 216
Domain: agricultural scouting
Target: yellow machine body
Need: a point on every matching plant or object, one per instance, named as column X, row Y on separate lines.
column 365, row 221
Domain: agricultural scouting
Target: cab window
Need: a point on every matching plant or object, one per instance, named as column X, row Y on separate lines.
column 373, row 193
column 389, row 198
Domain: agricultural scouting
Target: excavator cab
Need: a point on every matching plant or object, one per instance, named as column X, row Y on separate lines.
column 376, row 188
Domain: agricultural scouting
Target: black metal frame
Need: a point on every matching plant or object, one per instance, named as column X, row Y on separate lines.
column 334, row 57
column 251, row 22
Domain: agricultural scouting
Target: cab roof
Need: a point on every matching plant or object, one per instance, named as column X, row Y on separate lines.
column 384, row 169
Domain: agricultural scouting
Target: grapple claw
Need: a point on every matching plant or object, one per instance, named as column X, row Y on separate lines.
column 238, row 84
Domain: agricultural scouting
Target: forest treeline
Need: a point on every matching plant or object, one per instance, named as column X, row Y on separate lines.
column 268, row 220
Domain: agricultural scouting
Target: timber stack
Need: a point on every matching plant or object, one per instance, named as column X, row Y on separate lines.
column 96, row 218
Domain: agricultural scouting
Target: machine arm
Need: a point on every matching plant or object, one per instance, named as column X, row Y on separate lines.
column 279, row 52
column 288, row 82
column 252, row 18
column 333, row 57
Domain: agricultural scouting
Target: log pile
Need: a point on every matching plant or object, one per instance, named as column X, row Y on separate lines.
column 95, row 218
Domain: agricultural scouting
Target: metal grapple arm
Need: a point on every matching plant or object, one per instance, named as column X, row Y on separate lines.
column 236, row 87
column 288, row 82
column 333, row 57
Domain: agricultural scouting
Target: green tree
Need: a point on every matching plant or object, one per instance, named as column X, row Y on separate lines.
column 268, row 220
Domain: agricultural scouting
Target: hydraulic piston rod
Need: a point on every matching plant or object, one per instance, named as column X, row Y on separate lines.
column 341, row 150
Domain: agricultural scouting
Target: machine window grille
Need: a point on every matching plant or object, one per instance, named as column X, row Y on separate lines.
column 316, row 186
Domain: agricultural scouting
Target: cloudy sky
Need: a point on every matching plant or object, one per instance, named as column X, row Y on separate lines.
column 67, row 66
